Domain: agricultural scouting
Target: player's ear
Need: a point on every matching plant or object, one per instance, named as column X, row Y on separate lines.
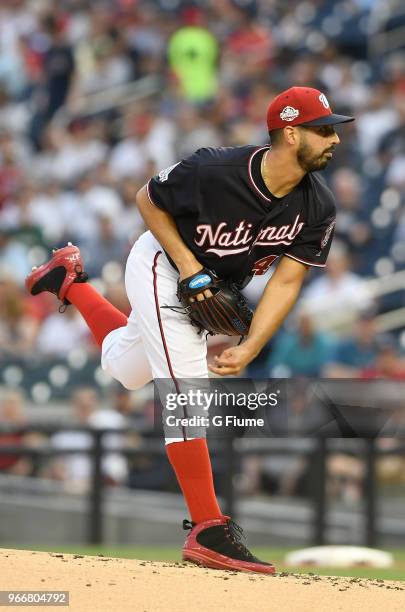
column 291, row 135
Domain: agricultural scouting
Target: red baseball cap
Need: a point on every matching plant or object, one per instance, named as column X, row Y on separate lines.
column 302, row 106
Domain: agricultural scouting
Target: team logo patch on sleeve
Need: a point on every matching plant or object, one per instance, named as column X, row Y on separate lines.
column 164, row 174
column 289, row 113
column 326, row 236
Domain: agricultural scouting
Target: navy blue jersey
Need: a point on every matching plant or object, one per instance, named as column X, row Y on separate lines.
column 232, row 223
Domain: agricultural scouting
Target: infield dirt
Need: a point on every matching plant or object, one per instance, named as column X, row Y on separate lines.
column 103, row 584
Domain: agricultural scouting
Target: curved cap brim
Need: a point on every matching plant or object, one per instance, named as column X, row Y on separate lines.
column 328, row 120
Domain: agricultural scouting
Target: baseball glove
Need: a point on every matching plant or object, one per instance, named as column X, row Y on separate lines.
column 225, row 312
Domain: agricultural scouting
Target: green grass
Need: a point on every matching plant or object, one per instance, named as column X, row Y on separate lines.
column 276, row 555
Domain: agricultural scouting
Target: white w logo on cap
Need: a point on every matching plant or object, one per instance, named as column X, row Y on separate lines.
column 324, row 100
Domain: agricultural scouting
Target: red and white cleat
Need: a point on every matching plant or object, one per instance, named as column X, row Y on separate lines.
column 57, row 275
column 216, row 544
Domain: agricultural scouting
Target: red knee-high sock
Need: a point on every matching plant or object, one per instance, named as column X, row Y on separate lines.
column 101, row 316
column 191, row 462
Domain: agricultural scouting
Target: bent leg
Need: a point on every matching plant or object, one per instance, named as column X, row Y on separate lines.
column 123, row 355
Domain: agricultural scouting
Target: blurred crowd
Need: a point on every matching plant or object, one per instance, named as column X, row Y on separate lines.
column 71, row 164
column 76, row 144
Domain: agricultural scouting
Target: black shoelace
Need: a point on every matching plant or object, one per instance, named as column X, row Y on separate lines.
column 236, row 534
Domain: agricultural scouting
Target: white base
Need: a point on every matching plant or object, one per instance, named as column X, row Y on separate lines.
column 339, row 556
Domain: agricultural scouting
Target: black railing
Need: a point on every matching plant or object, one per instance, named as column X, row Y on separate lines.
column 229, row 449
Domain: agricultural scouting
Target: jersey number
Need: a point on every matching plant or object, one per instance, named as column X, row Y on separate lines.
column 262, row 265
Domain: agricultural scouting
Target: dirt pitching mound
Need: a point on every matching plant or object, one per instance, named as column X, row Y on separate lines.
column 102, row 584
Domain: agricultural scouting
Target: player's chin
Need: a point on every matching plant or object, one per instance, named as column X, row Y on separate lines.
column 321, row 164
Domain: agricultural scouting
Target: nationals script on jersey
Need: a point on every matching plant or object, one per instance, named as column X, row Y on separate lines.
column 226, row 215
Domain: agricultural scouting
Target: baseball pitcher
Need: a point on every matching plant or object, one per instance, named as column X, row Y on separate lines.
column 214, row 220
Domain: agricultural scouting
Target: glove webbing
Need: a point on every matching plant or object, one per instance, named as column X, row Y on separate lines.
column 221, row 315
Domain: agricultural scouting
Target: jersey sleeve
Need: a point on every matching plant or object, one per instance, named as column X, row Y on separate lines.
column 312, row 245
column 175, row 189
